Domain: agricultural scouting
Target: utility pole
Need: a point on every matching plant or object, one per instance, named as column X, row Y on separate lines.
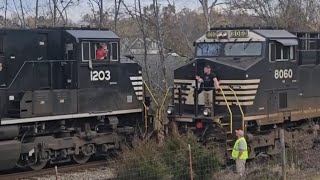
column 5, row 14
column 36, row 18
column 101, row 13
column 54, row 12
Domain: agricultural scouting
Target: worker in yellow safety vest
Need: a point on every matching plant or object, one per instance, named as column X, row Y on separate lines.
column 240, row 152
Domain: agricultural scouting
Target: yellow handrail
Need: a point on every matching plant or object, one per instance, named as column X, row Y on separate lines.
column 145, row 116
column 145, row 84
column 242, row 114
column 162, row 104
column 230, row 112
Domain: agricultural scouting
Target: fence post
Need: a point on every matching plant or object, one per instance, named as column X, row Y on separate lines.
column 56, row 169
column 283, row 154
column 190, row 162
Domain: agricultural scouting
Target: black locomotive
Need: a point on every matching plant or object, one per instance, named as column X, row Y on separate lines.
column 59, row 101
column 268, row 79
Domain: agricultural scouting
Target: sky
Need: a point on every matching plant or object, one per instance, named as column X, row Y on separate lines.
column 76, row 12
column 180, row 4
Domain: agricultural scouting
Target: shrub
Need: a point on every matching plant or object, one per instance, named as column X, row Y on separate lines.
column 168, row 161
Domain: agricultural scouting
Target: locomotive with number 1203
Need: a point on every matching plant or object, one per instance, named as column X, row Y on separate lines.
column 59, row 102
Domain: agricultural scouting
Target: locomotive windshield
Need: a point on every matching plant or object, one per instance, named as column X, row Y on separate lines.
column 229, row 49
column 209, row 49
column 243, row 49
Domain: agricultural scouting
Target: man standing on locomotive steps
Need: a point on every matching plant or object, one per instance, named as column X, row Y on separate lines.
column 240, row 152
column 208, row 81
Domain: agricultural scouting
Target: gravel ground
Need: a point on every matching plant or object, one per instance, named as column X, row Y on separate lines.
column 92, row 174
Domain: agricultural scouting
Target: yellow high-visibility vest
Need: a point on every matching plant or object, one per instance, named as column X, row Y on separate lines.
column 235, row 151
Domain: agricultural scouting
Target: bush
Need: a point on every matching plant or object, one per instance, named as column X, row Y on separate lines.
column 168, row 161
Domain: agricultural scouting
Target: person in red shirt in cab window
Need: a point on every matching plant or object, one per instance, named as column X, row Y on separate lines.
column 102, row 52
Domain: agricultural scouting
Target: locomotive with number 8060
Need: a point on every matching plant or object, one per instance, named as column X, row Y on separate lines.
column 267, row 80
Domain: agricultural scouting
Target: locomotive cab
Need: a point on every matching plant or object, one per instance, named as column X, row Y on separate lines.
column 259, row 85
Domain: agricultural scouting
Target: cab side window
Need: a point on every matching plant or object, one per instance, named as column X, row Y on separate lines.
column 114, row 51
column 279, row 52
column 100, row 51
column 86, row 53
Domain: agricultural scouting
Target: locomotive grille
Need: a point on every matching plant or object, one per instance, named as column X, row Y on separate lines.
column 245, row 90
column 137, row 84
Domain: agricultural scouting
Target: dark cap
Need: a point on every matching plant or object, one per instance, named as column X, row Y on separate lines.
column 207, row 66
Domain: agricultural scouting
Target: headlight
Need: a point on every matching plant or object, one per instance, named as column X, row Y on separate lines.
column 206, row 112
column 170, row 111
column 225, row 34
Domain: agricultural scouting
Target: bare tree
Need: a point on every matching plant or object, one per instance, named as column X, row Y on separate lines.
column 18, row 14
column 117, row 5
column 138, row 16
column 22, row 14
column 159, row 37
column 208, row 8
column 290, row 14
column 99, row 3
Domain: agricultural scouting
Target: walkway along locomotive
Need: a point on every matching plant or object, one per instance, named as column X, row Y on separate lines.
column 58, row 102
column 268, row 79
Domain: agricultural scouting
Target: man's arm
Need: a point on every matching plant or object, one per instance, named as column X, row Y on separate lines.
column 199, row 79
column 241, row 148
column 216, row 83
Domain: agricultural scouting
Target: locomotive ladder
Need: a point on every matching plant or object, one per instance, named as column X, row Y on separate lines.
column 227, row 124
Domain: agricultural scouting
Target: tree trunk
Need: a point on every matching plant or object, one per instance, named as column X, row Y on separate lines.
column 36, row 18
column 22, row 14
column 160, row 42
column 205, row 8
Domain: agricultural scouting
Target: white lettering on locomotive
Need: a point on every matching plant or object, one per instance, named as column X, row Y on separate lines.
column 100, row 75
column 283, row 74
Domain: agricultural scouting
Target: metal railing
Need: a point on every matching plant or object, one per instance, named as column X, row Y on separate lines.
column 159, row 107
column 229, row 109
column 239, row 105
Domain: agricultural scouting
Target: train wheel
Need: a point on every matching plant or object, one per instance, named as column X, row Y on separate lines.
column 39, row 165
column 81, row 158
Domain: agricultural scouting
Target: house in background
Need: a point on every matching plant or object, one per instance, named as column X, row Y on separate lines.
column 136, row 47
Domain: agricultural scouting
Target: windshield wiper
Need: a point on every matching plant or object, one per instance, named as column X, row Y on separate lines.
column 233, row 44
column 245, row 47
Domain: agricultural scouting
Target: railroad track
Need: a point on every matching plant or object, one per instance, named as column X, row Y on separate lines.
column 51, row 170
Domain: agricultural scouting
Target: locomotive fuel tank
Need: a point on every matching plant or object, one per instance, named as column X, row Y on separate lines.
column 10, row 153
column 9, row 132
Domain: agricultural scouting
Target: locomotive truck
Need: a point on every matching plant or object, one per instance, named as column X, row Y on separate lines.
column 58, row 102
column 268, row 80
